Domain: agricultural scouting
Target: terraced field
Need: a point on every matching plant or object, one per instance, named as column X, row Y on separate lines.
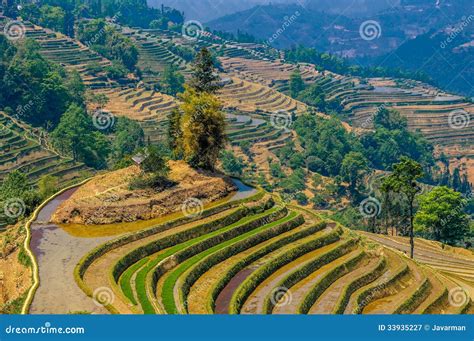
column 154, row 54
column 26, row 149
column 71, row 54
column 253, row 97
column 273, row 74
column 148, row 107
column 259, row 256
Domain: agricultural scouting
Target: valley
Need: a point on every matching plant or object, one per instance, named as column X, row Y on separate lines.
column 210, row 176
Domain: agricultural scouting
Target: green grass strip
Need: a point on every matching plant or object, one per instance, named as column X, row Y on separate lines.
column 125, row 279
column 140, row 281
column 170, row 282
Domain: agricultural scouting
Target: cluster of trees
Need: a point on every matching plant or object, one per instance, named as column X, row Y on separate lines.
column 392, row 139
column 20, row 198
column 53, row 17
column 172, row 81
column 326, row 61
column 105, row 40
column 439, row 214
column 77, row 136
column 455, row 180
column 313, row 95
column 239, row 36
column 60, row 15
column 34, row 89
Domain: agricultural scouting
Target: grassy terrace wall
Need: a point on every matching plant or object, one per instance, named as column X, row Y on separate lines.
column 255, row 256
column 359, row 283
column 312, row 266
column 224, row 254
column 88, row 259
column 257, row 277
column 238, row 229
column 377, row 291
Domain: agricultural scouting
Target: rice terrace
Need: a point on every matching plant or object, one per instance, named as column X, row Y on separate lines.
column 152, row 163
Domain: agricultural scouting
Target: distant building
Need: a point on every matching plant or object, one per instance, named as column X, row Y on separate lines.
column 138, row 159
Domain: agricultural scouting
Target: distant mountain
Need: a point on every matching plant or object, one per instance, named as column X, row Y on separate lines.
column 388, row 39
column 447, row 57
column 207, row 10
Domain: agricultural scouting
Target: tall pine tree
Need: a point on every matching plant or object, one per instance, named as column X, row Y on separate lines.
column 205, row 78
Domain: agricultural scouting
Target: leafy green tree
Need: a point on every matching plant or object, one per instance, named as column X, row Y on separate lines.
column 296, row 84
column 16, row 187
column 75, row 136
column 392, row 139
column 172, row 81
column 354, row 168
column 404, row 180
column 204, row 78
column 32, row 86
column 47, row 186
column 107, row 41
column 276, row 171
column 232, row 164
column 301, row 198
column 441, row 215
column 314, row 96
column 390, row 119
column 52, row 17
column 294, row 183
column 175, row 134
column 155, row 162
column 100, row 100
column 129, row 138
column 203, row 126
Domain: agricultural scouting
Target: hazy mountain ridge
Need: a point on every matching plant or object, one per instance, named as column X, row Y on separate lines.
column 394, row 45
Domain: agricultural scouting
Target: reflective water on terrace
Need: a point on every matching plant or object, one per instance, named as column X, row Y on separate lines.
column 59, row 248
